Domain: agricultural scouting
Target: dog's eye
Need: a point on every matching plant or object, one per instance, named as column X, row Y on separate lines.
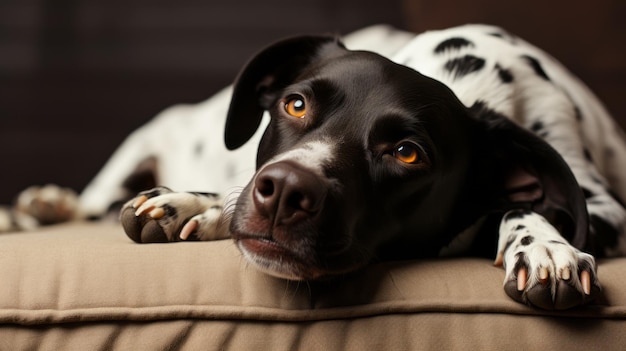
column 295, row 106
column 407, row 153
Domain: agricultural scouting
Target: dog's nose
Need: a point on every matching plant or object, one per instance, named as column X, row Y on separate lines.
column 286, row 193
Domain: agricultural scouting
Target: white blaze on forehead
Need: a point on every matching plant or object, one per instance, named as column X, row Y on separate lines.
column 312, row 155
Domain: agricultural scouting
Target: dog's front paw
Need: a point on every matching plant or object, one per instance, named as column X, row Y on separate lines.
column 48, row 204
column 543, row 269
column 160, row 215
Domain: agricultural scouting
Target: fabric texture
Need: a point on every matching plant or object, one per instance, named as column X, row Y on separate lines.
column 87, row 286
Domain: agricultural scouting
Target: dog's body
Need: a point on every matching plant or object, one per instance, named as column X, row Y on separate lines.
column 360, row 159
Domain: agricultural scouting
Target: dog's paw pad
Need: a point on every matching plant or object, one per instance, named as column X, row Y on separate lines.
column 556, row 281
column 140, row 228
column 151, row 217
column 48, row 204
column 160, row 215
column 542, row 268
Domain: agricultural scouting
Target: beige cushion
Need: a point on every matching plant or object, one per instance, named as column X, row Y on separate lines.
column 85, row 286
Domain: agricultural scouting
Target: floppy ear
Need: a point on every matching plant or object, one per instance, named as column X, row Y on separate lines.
column 528, row 173
column 268, row 72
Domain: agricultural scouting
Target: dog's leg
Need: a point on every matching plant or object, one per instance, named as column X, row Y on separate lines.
column 542, row 268
column 52, row 204
column 39, row 205
column 130, row 158
column 161, row 215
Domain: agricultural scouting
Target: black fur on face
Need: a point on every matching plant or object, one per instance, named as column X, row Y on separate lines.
column 405, row 167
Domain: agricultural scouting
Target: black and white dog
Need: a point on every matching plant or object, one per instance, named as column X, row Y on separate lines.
column 493, row 148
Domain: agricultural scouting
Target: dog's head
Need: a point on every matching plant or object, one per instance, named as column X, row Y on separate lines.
column 364, row 158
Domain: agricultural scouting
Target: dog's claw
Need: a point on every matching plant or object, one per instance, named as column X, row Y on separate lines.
column 522, row 276
column 544, row 275
column 149, row 209
column 139, row 201
column 585, row 280
column 566, row 274
column 157, row 213
column 188, row 228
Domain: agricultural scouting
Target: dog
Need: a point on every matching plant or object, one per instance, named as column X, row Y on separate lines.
column 463, row 141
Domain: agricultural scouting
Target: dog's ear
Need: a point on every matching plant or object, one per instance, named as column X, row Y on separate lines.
column 526, row 172
column 268, row 72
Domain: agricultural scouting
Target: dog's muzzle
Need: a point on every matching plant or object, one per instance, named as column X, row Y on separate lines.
column 289, row 224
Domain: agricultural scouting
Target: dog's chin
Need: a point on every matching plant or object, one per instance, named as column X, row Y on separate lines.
column 273, row 259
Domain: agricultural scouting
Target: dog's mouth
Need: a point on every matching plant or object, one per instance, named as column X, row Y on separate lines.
column 299, row 264
column 275, row 259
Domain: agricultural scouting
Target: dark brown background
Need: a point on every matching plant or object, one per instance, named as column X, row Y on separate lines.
column 76, row 76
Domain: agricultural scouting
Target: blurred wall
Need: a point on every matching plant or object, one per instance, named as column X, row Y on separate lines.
column 77, row 76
